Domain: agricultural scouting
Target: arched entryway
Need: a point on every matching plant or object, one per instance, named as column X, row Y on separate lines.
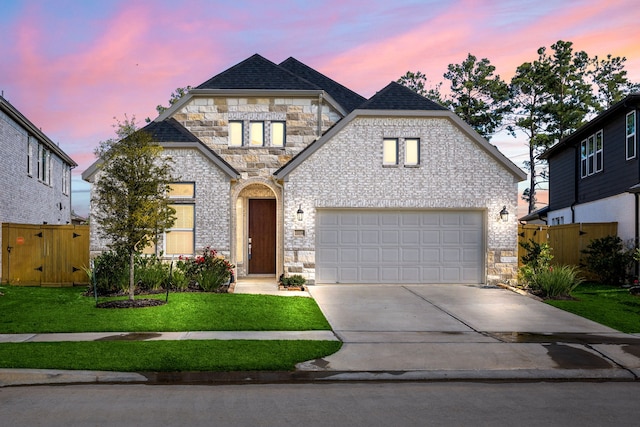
column 257, row 228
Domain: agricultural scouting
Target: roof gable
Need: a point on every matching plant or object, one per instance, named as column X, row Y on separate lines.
column 19, row 118
column 259, row 73
column 344, row 96
column 394, row 96
column 170, row 133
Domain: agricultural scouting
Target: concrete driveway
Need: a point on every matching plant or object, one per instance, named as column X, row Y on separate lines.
column 466, row 331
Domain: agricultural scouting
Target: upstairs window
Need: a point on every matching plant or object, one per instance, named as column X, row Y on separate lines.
column 390, row 152
column 591, row 160
column 29, row 156
column 277, row 134
column 631, row 135
column 411, row 152
column 236, row 130
column 44, row 164
column 256, row 134
column 66, row 172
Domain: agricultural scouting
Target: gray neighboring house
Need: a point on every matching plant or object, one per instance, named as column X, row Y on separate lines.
column 35, row 174
column 286, row 171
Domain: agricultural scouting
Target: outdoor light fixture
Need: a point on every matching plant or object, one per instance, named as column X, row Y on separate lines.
column 504, row 214
column 300, row 213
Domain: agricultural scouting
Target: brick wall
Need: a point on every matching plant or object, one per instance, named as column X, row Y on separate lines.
column 454, row 173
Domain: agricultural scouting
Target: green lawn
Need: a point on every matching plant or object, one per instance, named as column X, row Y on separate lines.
column 610, row 306
column 46, row 310
column 41, row 310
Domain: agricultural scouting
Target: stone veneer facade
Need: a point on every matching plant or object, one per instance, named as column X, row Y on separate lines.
column 454, row 173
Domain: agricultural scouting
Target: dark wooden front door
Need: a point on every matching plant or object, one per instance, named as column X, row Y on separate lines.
column 262, row 232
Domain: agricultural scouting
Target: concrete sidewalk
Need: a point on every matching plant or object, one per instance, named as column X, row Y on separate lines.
column 406, row 332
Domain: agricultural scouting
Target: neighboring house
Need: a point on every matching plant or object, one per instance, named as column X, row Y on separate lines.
column 286, row 171
column 35, row 174
column 595, row 172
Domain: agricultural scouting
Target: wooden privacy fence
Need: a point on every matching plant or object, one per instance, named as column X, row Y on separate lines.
column 45, row 255
column 566, row 241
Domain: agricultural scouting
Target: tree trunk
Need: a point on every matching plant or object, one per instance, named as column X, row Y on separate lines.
column 132, row 285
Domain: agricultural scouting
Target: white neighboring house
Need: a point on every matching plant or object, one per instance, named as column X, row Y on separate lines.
column 35, row 174
column 286, row 171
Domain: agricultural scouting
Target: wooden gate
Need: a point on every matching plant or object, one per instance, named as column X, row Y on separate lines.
column 45, row 255
column 566, row 241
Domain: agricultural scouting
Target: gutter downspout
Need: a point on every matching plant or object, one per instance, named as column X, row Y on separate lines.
column 576, row 185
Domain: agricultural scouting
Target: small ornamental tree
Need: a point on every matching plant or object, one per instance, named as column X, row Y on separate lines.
column 131, row 192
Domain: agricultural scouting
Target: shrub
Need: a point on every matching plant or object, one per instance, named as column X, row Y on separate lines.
column 111, row 272
column 538, row 258
column 150, row 272
column 558, row 281
column 295, row 280
column 608, row 260
column 209, row 270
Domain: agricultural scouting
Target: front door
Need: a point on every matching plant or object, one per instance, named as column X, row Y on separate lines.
column 262, row 236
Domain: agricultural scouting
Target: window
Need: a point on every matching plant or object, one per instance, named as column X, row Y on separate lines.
column 411, row 152
column 390, row 152
column 256, row 134
column 277, row 134
column 631, row 135
column 557, row 221
column 29, row 156
column 591, row 160
column 66, row 171
column 179, row 239
column 44, row 164
column 236, row 131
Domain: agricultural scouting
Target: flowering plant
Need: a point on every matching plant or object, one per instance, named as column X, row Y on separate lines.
column 209, row 270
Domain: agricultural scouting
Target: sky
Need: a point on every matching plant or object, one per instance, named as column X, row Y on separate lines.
column 73, row 66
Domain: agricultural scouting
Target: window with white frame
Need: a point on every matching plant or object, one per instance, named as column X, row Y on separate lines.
column 390, row 152
column 631, row 135
column 30, row 156
column 44, row 164
column 66, row 172
column 591, row 157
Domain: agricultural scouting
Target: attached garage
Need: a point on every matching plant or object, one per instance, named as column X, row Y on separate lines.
column 400, row 246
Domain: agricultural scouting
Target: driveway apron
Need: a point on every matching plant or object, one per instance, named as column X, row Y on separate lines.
column 465, row 330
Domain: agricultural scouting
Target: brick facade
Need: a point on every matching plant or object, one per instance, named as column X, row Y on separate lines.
column 454, row 172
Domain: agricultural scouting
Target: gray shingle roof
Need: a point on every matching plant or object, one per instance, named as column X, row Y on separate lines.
column 257, row 72
column 397, row 97
column 348, row 99
column 169, row 130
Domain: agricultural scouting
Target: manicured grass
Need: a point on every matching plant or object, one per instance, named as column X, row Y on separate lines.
column 610, row 306
column 42, row 310
column 165, row 356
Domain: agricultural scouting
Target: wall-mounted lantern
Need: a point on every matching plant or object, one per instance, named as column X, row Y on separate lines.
column 300, row 213
column 504, row 214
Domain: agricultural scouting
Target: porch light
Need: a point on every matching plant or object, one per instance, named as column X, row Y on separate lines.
column 300, row 213
column 504, row 214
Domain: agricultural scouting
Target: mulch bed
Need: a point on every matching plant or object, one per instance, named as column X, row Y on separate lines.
column 136, row 303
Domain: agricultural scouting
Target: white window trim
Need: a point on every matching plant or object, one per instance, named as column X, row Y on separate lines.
column 586, row 154
column 630, row 135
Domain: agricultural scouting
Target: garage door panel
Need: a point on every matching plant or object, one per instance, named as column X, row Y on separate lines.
column 395, row 246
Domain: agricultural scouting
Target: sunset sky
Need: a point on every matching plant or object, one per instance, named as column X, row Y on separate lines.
column 71, row 66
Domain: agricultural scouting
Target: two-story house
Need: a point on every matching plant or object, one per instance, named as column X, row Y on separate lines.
column 35, row 174
column 284, row 170
column 595, row 172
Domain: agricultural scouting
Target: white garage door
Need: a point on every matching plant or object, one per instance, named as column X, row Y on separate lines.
column 391, row 246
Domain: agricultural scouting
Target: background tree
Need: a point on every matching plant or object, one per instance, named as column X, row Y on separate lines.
column 131, row 191
column 175, row 97
column 417, row 82
column 478, row 96
column 610, row 79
